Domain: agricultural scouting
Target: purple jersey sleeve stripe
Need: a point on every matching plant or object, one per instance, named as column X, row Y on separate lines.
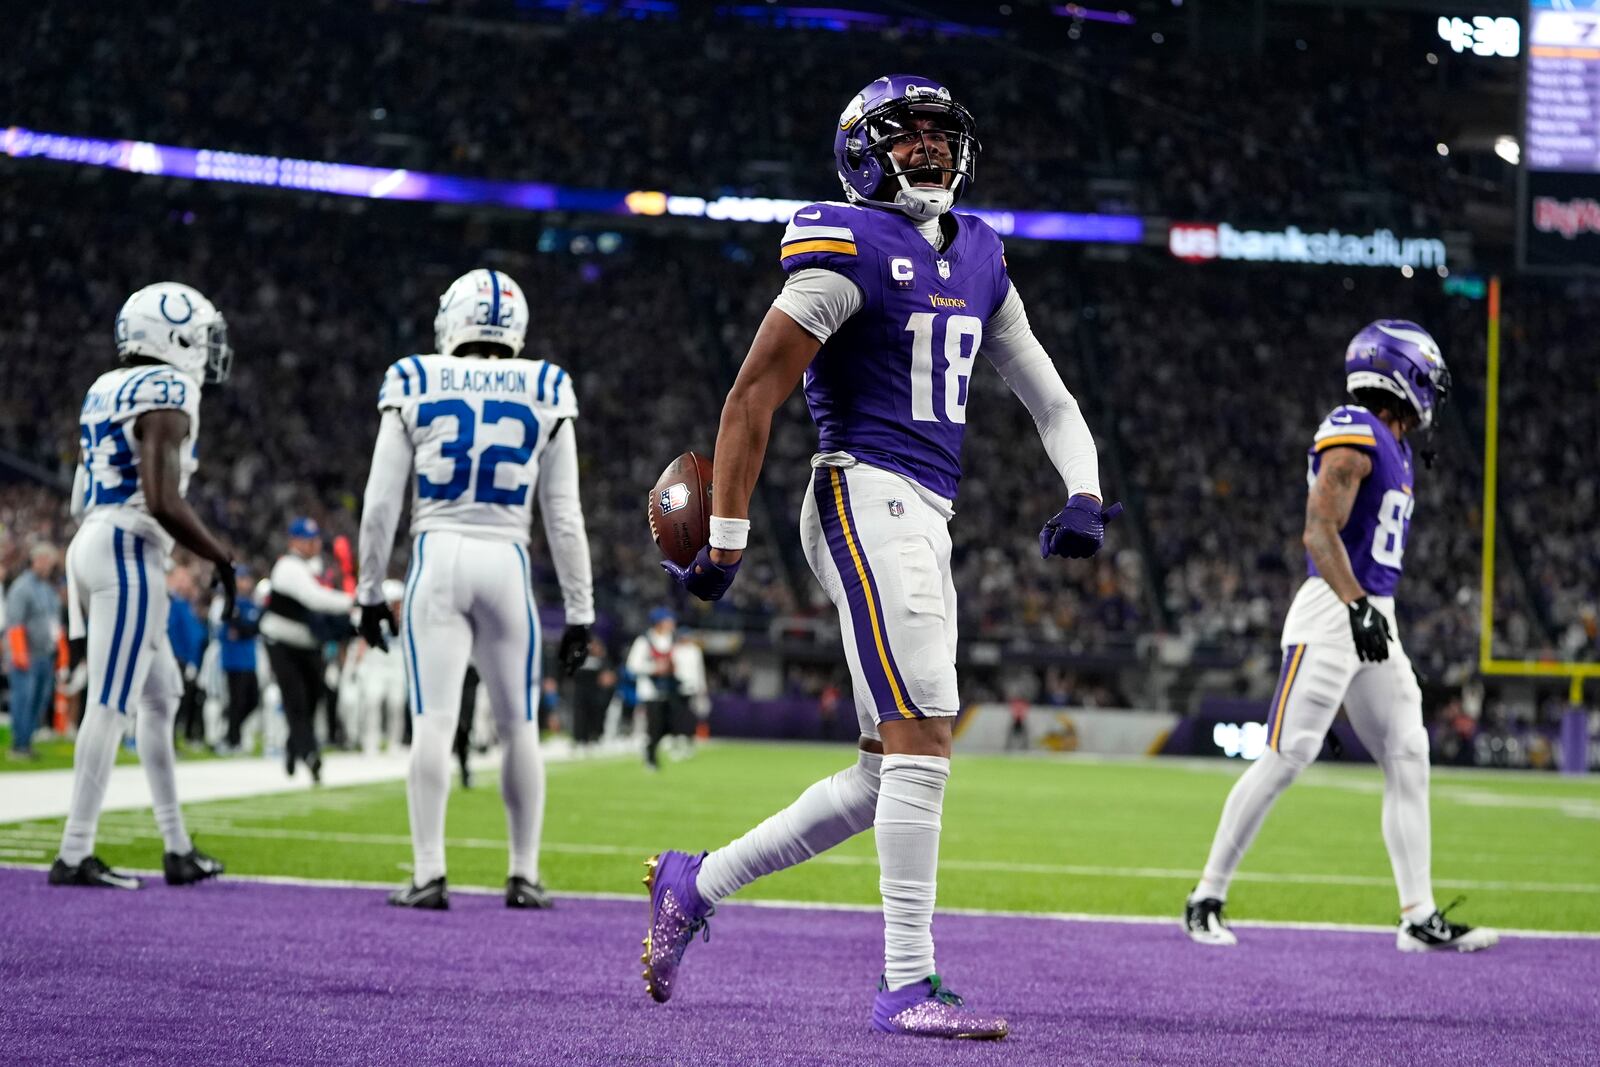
column 1280, row 698
column 861, row 591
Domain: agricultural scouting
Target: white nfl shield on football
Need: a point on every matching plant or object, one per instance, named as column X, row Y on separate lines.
column 674, row 497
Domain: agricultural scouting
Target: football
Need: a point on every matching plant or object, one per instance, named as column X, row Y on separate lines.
column 680, row 508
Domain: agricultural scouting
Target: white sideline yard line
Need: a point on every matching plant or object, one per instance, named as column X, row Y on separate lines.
column 48, row 794
column 870, row 909
column 222, row 828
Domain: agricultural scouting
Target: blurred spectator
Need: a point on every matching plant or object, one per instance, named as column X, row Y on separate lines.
column 592, row 687
column 1017, row 735
column 293, row 647
column 660, row 689
column 187, row 635
column 32, row 613
column 237, row 638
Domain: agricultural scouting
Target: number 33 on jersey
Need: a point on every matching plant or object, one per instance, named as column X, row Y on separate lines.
column 478, row 427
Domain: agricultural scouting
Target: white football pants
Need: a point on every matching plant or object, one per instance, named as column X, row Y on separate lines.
column 117, row 591
column 1384, row 703
column 880, row 546
column 471, row 599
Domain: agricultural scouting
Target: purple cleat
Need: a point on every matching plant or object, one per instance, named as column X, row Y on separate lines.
column 676, row 914
column 927, row 1009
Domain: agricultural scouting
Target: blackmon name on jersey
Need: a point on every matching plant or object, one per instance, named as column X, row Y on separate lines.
column 1375, row 535
column 478, row 427
column 109, row 485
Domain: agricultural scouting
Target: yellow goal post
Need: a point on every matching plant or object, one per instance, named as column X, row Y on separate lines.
column 1576, row 673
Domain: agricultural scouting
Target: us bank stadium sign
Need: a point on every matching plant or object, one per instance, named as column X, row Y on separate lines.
column 1198, row 242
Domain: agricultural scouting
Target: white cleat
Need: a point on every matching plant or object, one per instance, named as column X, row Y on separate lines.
column 1203, row 922
column 1438, row 934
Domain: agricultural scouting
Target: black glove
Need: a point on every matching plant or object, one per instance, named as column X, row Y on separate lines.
column 223, row 580
column 1370, row 629
column 574, row 648
column 77, row 652
column 374, row 617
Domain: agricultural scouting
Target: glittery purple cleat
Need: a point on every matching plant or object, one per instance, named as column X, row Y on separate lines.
column 927, row 1009
column 676, row 914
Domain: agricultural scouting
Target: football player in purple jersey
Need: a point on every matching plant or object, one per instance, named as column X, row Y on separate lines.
column 1340, row 640
column 891, row 295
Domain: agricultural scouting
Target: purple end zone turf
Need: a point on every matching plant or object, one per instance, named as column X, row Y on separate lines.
column 239, row 972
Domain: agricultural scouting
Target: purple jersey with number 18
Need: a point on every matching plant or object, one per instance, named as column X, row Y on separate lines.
column 891, row 386
column 1375, row 535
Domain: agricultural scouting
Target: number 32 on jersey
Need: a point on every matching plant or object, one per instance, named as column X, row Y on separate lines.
column 478, row 473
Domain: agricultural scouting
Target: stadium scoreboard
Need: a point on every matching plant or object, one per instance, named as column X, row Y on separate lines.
column 1560, row 183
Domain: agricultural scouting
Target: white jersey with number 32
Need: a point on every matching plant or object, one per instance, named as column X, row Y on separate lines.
column 478, row 428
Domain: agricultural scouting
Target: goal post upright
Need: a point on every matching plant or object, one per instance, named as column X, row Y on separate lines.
column 1488, row 665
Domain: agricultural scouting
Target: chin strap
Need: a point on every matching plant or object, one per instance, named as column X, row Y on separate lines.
column 924, row 204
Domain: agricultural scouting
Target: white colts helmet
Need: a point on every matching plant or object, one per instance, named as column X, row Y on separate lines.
column 175, row 324
column 481, row 305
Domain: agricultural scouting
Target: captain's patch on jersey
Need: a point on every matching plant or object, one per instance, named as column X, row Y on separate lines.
column 674, row 497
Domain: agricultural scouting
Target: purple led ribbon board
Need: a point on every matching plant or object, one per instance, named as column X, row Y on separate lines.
column 384, row 183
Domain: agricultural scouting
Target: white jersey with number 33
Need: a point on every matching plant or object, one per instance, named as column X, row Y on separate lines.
column 478, row 427
column 108, row 483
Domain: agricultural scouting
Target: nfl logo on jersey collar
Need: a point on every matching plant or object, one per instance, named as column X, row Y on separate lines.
column 944, row 269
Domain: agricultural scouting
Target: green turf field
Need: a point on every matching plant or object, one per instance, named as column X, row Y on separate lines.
column 1024, row 834
column 53, row 754
column 56, row 754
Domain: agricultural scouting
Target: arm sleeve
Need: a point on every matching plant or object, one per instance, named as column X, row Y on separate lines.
column 819, row 300
column 80, row 478
column 292, row 578
column 562, row 511
column 1026, row 368
column 381, row 505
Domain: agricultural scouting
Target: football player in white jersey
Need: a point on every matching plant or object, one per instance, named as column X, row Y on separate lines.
column 471, row 435
column 139, row 428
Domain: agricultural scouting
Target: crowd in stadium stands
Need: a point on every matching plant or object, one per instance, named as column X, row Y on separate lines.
column 1202, row 385
column 1102, row 121
column 320, row 297
column 1546, row 460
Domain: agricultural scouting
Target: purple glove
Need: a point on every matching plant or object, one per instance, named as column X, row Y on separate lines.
column 1077, row 530
column 703, row 578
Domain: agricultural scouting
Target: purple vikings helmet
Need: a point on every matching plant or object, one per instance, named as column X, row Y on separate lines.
column 884, row 113
column 1399, row 357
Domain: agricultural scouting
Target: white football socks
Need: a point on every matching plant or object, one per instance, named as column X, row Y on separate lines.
column 93, row 756
column 522, row 789
column 910, row 802
column 428, row 790
column 153, row 734
column 1248, row 803
column 828, row 812
column 1407, row 834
